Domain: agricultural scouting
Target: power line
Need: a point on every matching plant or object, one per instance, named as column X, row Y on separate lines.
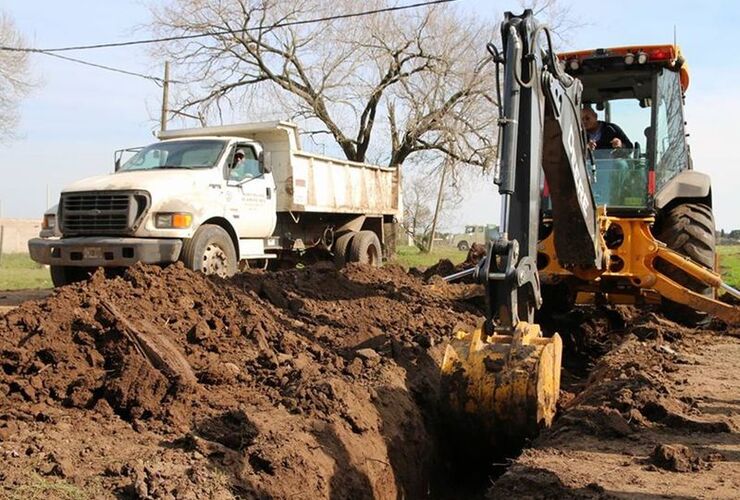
column 226, row 32
column 155, row 79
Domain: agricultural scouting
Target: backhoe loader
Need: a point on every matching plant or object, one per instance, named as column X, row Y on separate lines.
column 624, row 225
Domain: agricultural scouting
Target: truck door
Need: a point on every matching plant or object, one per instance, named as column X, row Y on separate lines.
column 250, row 193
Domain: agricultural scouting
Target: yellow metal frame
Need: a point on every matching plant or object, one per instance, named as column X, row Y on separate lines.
column 633, row 262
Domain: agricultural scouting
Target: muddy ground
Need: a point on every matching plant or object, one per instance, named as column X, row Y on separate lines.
column 10, row 299
column 317, row 383
column 657, row 417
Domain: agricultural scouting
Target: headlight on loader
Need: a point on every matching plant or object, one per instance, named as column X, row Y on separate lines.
column 179, row 220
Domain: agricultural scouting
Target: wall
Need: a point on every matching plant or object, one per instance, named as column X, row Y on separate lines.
column 17, row 232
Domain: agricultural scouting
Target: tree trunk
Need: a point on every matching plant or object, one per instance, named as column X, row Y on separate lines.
column 437, row 208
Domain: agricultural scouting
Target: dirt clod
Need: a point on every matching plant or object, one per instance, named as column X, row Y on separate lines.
column 676, row 458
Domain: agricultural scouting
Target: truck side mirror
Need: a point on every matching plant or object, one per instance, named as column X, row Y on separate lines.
column 117, row 155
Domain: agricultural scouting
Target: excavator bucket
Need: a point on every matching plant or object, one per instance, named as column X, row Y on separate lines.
column 503, row 386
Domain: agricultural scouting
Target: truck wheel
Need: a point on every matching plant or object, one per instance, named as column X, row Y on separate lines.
column 210, row 251
column 463, row 246
column 688, row 229
column 341, row 248
column 64, row 275
column 365, row 248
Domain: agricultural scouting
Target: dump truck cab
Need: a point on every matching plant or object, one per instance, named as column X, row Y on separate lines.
column 640, row 89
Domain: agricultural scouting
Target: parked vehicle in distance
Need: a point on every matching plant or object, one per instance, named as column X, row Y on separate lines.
column 219, row 199
column 473, row 234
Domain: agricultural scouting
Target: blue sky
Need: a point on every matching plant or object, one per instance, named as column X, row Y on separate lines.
column 78, row 116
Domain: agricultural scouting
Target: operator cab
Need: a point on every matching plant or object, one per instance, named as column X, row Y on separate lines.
column 640, row 89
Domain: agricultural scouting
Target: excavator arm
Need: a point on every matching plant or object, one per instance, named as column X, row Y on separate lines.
column 504, row 376
column 540, row 131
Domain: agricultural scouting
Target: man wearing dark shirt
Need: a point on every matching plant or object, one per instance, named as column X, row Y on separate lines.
column 603, row 135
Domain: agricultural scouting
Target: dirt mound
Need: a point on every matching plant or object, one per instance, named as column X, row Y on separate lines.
column 162, row 382
column 445, row 267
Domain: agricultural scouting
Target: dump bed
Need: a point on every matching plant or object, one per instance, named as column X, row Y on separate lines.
column 307, row 182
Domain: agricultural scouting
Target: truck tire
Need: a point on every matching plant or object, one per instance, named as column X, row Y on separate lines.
column 463, row 246
column 365, row 248
column 688, row 229
column 210, row 251
column 341, row 248
column 65, row 275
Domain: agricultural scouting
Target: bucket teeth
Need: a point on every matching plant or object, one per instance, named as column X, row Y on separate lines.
column 507, row 384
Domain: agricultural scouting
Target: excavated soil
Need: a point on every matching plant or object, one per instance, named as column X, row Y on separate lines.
column 164, row 383
column 318, row 383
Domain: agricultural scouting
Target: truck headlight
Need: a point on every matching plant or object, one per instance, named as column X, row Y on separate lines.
column 49, row 221
column 179, row 220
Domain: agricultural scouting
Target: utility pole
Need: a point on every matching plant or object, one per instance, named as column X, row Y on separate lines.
column 438, row 208
column 165, row 96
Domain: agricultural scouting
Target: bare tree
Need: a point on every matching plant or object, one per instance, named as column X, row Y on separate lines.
column 14, row 76
column 421, row 190
column 417, row 216
column 383, row 87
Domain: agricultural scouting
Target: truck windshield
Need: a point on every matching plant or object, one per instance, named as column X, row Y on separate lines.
column 176, row 154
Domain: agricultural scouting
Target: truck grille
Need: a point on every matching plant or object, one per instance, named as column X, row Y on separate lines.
column 94, row 213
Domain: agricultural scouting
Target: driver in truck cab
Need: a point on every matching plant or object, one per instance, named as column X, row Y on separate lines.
column 245, row 164
column 603, row 135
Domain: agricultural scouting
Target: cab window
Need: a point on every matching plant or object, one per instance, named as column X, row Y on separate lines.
column 671, row 155
column 244, row 164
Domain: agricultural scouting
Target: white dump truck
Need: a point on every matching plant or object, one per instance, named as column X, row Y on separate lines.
column 220, row 199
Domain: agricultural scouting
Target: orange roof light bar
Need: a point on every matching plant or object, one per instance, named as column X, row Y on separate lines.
column 668, row 55
column 655, row 53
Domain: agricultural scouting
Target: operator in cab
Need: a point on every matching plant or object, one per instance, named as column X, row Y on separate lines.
column 603, row 135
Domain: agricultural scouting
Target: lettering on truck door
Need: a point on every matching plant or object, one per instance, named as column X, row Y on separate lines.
column 250, row 194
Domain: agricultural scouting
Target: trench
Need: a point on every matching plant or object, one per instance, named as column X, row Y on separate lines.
column 467, row 465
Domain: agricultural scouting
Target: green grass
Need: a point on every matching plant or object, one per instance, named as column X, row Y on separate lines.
column 39, row 488
column 410, row 256
column 18, row 271
column 729, row 264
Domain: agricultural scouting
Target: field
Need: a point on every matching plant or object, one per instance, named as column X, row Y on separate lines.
column 18, row 271
column 410, row 256
column 729, row 264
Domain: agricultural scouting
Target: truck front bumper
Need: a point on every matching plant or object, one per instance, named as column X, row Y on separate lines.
column 103, row 252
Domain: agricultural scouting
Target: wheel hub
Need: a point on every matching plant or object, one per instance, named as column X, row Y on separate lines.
column 215, row 261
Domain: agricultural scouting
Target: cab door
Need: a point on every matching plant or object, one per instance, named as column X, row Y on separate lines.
column 250, row 192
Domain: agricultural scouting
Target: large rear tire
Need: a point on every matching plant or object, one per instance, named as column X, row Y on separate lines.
column 210, row 251
column 341, row 248
column 65, row 275
column 365, row 248
column 688, row 229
